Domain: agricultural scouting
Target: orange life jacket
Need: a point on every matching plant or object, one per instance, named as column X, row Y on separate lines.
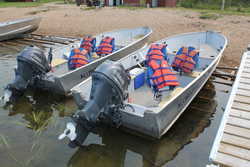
column 155, row 52
column 163, row 75
column 78, row 58
column 105, row 46
column 88, row 43
column 184, row 60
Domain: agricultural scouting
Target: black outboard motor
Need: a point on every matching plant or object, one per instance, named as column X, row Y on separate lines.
column 109, row 89
column 31, row 63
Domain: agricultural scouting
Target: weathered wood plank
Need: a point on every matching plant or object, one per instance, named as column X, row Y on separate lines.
column 236, row 140
column 237, row 131
column 244, row 86
column 238, row 122
column 245, row 80
column 240, row 113
column 243, row 92
column 246, row 70
column 234, row 151
column 241, row 106
column 242, row 99
column 226, row 160
column 245, row 75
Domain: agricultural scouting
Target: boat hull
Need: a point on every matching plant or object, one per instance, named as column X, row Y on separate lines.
column 63, row 84
column 13, row 29
column 156, row 124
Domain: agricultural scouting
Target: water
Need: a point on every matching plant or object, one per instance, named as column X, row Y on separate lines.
column 29, row 131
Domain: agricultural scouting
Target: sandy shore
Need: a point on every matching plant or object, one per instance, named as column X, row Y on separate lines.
column 69, row 20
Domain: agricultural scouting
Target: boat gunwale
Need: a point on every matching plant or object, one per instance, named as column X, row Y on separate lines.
column 22, row 20
column 105, row 57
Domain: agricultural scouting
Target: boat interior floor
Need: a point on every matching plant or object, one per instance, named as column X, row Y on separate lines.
column 145, row 96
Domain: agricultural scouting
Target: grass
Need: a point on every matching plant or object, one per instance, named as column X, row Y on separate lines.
column 212, row 16
column 215, row 8
column 25, row 4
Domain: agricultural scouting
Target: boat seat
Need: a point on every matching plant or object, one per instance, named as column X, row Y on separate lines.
column 58, row 61
column 170, row 95
column 193, row 74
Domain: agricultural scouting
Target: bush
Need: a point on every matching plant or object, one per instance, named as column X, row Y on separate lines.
column 213, row 4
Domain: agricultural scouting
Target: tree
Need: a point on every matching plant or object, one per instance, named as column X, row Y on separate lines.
column 223, row 5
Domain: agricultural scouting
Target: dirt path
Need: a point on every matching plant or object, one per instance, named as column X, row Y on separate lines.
column 69, row 20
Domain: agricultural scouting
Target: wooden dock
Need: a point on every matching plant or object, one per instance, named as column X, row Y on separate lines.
column 232, row 143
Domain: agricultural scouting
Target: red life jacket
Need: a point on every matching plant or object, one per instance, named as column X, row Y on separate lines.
column 155, row 52
column 163, row 75
column 78, row 58
column 184, row 60
column 87, row 44
column 105, row 46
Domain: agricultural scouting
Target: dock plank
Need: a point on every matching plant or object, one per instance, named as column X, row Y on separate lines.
column 240, row 114
column 241, row 106
column 244, row 80
column 239, row 122
column 235, row 151
column 246, row 70
column 226, row 159
column 242, row 99
column 236, row 140
column 244, row 86
column 245, row 75
column 243, row 92
column 237, row 131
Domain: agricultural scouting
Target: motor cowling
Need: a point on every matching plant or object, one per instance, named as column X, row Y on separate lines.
column 109, row 89
column 31, row 63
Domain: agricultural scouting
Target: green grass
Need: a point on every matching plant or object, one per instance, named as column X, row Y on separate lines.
column 211, row 16
column 25, row 4
column 237, row 9
column 228, row 11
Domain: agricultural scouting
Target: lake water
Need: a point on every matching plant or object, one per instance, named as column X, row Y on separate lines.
column 29, row 131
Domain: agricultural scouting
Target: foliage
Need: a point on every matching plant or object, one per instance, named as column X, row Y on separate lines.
column 213, row 4
column 25, row 4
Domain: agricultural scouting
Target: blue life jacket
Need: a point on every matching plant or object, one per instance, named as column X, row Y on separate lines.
column 157, row 52
column 88, row 43
column 78, row 57
column 106, row 47
column 182, row 59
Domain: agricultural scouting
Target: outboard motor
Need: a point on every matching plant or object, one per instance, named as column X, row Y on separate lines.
column 31, row 63
column 109, row 89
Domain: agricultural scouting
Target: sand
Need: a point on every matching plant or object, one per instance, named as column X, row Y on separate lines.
column 70, row 20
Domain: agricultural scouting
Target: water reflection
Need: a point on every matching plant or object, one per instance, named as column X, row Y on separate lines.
column 114, row 148
column 37, row 108
column 47, row 113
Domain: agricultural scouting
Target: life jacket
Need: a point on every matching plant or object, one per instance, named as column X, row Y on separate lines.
column 78, row 57
column 162, row 75
column 185, row 59
column 88, row 43
column 157, row 52
column 106, row 46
